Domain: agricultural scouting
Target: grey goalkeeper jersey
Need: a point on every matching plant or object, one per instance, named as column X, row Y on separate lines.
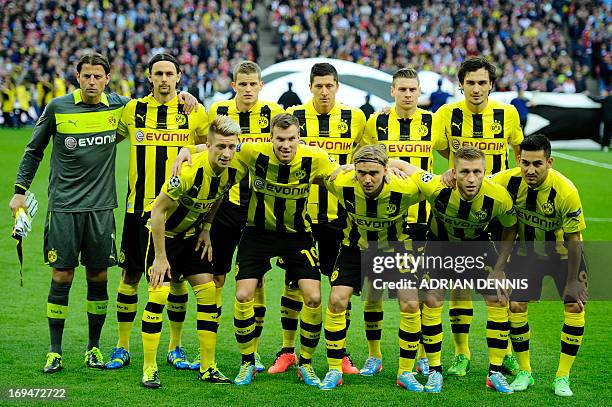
column 82, row 173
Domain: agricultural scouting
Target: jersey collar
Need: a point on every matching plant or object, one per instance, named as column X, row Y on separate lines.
column 547, row 182
column 254, row 108
column 310, row 106
column 78, row 98
column 153, row 102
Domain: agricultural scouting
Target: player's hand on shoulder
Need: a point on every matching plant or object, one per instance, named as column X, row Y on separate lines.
column 183, row 155
column 448, row 179
column 18, row 201
column 341, row 169
column 190, row 103
column 398, row 173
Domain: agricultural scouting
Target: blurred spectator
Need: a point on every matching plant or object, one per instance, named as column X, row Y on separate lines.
column 438, row 97
column 7, row 100
column 522, row 104
column 367, row 108
column 525, row 38
column 289, row 98
column 42, row 40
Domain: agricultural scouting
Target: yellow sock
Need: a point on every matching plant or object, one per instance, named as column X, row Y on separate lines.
column 127, row 305
column 207, row 323
column 177, row 309
column 409, row 335
column 244, row 326
column 431, row 324
column 335, row 338
column 497, row 335
column 152, row 324
column 519, row 338
column 571, row 339
column 291, row 305
column 259, row 306
column 219, row 302
column 373, row 318
column 460, row 314
column 310, row 332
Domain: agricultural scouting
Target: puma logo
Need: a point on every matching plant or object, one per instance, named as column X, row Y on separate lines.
column 140, row 116
column 73, row 122
column 456, row 125
column 383, row 129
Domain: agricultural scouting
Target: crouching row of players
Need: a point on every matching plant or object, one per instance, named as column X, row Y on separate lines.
column 376, row 193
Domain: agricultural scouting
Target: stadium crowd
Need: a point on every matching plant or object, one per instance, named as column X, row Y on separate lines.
column 40, row 42
column 526, row 39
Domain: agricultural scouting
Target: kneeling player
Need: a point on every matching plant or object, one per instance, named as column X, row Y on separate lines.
column 460, row 215
column 550, row 225
column 180, row 223
column 371, row 196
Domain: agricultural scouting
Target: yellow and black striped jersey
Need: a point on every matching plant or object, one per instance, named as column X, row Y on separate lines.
column 280, row 191
column 409, row 139
column 254, row 126
column 491, row 131
column 381, row 218
column 454, row 218
column 196, row 190
column 336, row 132
column 156, row 133
column 544, row 213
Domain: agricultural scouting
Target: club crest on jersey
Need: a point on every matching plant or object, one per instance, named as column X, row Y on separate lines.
column 343, row 127
column 263, row 122
column 180, row 119
column 548, row 208
column 391, row 208
column 426, row 177
column 187, row 201
column 334, row 275
column 480, row 215
column 300, row 174
column 174, row 182
column 422, row 130
column 496, row 127
column 121, row 256
column 112, row 120
column 258, row 183
column 52, row 255
column 456, row 144
column 139, row 136
column 70, row 143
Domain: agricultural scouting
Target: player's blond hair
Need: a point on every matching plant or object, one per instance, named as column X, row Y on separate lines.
column 405, row 73
column 247, row 68
column 469, row 153
column 374, row 153
column 223, row 126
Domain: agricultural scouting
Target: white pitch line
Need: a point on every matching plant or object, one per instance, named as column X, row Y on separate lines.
column 583, row 160
column 598, row 219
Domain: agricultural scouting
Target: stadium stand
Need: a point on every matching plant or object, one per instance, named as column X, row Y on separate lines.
column 547, row 46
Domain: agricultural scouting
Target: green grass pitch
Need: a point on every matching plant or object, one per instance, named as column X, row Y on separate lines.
column 24, row 334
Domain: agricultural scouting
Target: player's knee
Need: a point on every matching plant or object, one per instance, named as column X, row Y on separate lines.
column 518, row 307
column 130, row 279
column 433, row 301
column 62, row 275
column 573, row 308
column 244, row 295
column 96, row 274
column 312, row 299
column 337, row 303
column 219, row 281
column 411, row 307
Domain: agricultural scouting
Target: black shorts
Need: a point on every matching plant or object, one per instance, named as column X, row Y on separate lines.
column 89, row 236
column 482, row 257
column 184, row 260
column 225, row 234
column 134, row 240
column 328, row 236
column 297, row 250
column 531, row 270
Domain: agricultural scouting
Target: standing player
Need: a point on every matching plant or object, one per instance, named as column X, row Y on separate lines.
column 462, row 215
column 489, row 126
column 407, row 132
column 180, row 222
column 254, row 117
column 82, row 197
column 157, row 127
column 336, row 128
column 550, row 225
column 376, row 204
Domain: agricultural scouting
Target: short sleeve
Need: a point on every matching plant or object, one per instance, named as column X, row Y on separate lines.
column 572, row 215
column 177, row 185
column 326, row 165
column 127, row 118
column 507, row 213
column 516, row 132
column 370, row 136
column 438, row 136
column 429, row 184
column 203, row 123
